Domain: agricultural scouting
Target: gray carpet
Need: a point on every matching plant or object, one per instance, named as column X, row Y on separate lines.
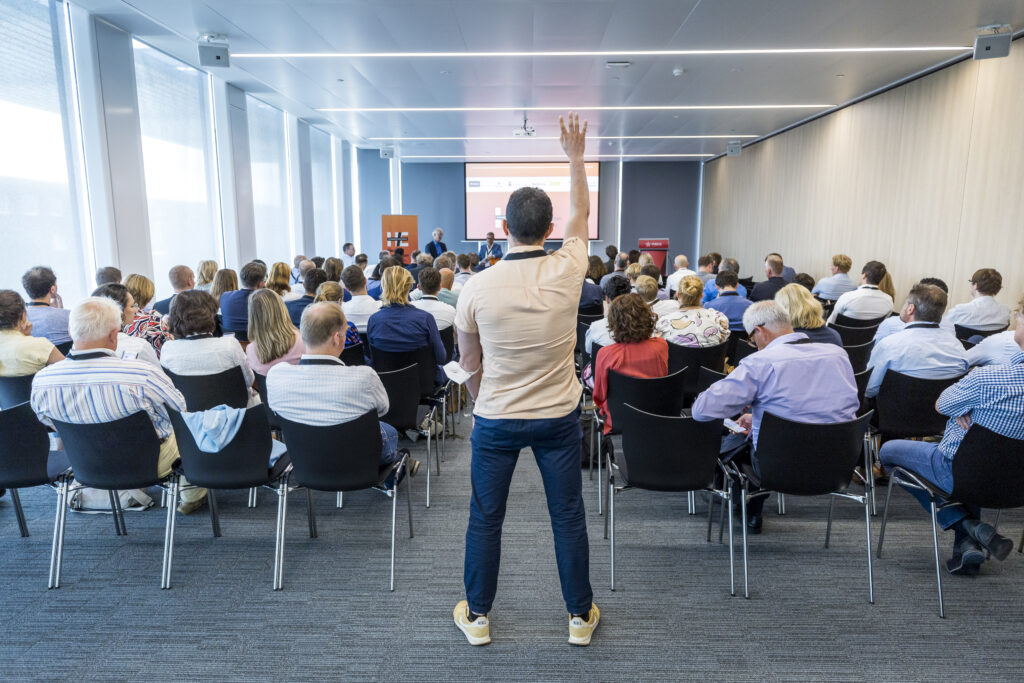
column 671, row 616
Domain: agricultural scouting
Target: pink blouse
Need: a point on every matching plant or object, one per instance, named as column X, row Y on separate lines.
column 292, row 357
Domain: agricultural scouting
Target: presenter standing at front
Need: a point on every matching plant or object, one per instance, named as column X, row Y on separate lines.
column 517, row 331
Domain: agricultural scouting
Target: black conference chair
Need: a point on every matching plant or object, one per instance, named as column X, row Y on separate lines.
column 666, row 453
column 854, row 336
column 693, row 359
column 25, row 456
column 859, row 355
column 847, row 321
column 403, row 409
column 706, row 377
column 906, row 406
column 448, row 339
column 747, row 282
column 203, row 392
column 801, row 459
column 737, row 338
column 344, row 457
column 988, row 472
column 65, row 347
column 244, row 463
column 15, row 391
column 110, row 456
column 964, row 334
column 260, row 382
column 353, row 355
column 597, row 310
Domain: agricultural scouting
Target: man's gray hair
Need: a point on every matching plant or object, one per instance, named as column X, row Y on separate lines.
column 682, row 262
column 94, row 318
column 767, row 313
column 437, row 230
column 730, row 264
column 424, row 259
column 319, row 321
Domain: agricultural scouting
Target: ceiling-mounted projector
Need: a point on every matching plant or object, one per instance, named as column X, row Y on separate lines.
column 525, row 132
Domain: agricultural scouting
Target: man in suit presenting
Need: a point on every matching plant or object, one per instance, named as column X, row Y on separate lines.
column 489, row 250
column 436, row 247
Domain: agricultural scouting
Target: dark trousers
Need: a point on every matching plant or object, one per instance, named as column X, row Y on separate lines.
column 557, row 448
column 739, row 449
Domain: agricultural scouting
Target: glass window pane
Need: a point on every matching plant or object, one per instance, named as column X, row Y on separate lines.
column 324, row 223
column 178, row 156
column 39, row 223
column 268, row 156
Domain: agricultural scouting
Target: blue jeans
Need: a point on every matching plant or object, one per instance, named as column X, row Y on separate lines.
column 557, row 448
column 389, row 447
column 926, row 460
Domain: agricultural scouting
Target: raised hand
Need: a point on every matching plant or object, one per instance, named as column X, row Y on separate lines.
column 574, row 138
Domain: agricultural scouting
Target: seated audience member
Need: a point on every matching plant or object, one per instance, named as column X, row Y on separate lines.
column 633, row 257
column 611, row 251
column 491, row 249
column 789, row 376
column 886, row 286
column 661, row 306
column 107, row 275
column 205, row 272
column 474, row 262
column 716, row 262
column 128, row 347
column 375, row 285
column 648, row 260
column 318, row 261
column 995, row 349
column 234, row 306
column 334, row 292
column 446, row 294
column 634, row 353
column 806, row 314
column 399, row 326
column 21, row 353
column 362, row 260
column 147, row 325
column 839, row 283
column 921, row 349
column 692, row 325
column 633, row 271
column 361, row 306
column 992, row 397
column 226, row 280
column 982, row 312
column 48, row 317
column 682, row 269
column 298, row 286
column 804, row 280
column 296, row 274
column 313, row 279
column 430, row 285
column 272, row 337
column 182, row 279
column 766, row 290
column 194, row 350
column 787, row 273
column 651, row 271
column 421, row 260
column 598, row 332
column 93, row 385
column 590, row 295
column 619, row 269
column 465, row 269
column 711, row 289
column 322, row 391
column 647, row 288
column 706, row 269
column 894, row 323
column 333, row 268
column 729, row 301
column 279, row 281
column 348, row 255
column 867, row 302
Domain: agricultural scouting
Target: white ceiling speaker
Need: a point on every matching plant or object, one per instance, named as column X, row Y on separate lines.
column 733, row 149
column 213, row 50
column 993, row 41
column 387, row 152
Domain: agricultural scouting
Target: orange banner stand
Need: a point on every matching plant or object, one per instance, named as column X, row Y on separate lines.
column 399, row 231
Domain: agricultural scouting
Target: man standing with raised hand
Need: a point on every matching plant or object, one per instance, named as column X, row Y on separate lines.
column 517, row 332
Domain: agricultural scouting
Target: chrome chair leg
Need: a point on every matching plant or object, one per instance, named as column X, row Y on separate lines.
column 394, row 510
column 600, row 465
column 408, row 499
column 254, row 497
column 828, row 527
column 611, row 529
column 691, row 504
column 885, row 516
column 1020, row 548
column 428, row 468
column 743, row 530
column 938, row 572
column 311, row 513
column 711, row 512
column 56, row 551
column 593, row 421
column 214, row 512
column 282, row 514
column 875, row 445
column 782, row 503
column 165, row 580
column 339, row 501
column 19, row 513
column 113, row 511
column 732, row 550
column 867, row 531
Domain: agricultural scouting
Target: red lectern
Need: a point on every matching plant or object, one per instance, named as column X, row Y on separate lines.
column 658, row 249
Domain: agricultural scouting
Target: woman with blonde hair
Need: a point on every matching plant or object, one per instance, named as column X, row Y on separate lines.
column 806, row 314
column 272, row 337
column 693, row 325
column 334, row 292
column 226, row 280
column 205, row 272
column 279, row 279
column 145, row 324
column 400, row 326
column 885, row 285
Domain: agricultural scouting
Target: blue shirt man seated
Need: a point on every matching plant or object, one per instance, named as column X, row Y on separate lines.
column 711, row 289
column 839, row 283
column 310, row 282
column 789, row 376
column 44, row 309
column 730, row 302
column 489, row 250
column 234, row 306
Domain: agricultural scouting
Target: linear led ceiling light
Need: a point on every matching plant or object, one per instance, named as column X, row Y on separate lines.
column 601, row 53
column 555, row 137
column 502, row 157
column 656, row 107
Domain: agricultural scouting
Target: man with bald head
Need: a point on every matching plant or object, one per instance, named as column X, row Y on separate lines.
column 299, row 288
column 182, row 279
column 445, row 294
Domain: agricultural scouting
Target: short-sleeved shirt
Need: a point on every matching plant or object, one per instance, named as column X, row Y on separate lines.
column 21, row 355
column 524, row 309
column 49, row 322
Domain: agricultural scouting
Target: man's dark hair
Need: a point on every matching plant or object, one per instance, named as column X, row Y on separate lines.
column 615, row 287
column 804, row 279
column 528, row 214
column 462, row 261
column 611, row 250
column 318, row 261
column 705, row 261
column 192, row 312
column 106, row 275
column 12, row 307
column 346, row 246
column 362, row 259
column 353, row 278
column 399, row 252
column 384, row 264
column 988, row 280
column 430, row 280
column 634, row 256
column 37, row 281
column 929, row 302
column 260, row 261
column 252, row 274
column 115, row 291
column 313, row 279
column 726, row 278
column 651, row 271
column 873, row 271
column 937, row 282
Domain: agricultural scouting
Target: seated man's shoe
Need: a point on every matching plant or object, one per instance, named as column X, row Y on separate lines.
column 580, row 630
column 413, row 466
column 967, row 558
column 478, row 631
column 187, row 508
column 990, row 540
column 754, row 523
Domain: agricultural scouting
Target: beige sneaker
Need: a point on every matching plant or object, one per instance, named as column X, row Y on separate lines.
column 477, row 632
column 192, row 505
column 580, row 631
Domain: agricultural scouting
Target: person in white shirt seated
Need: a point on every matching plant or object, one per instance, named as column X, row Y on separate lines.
column 647, row 288
column 598, row 332
column 322, row 391
column 995, row 349
column 867, row 302
column 922, row 349
column 361, row 306
column 348, row 255
column 682, row 265
column 652, row 271
column 831, row 288
column 982, row 312
column 194, row 350
column 299, row 288
column 465, row 269
column 430, row 285
column 894, row 323
column 128, row 347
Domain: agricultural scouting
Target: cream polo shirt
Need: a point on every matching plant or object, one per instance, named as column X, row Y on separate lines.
column 21, row 355
column 524, row 309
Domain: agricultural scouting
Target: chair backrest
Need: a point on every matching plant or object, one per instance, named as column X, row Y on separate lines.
column 353, row 355
column 859, row 355
column 402, row 388
column 448, row 339
column 906, row 405
column 964, row 333
column 260, row 382
column 664, row 453
column 692, row 359
column 988, row 470
column 655, row 395
column 343, row 457
column 24, row 447
column 15, row 390
column 706, row 377
column 241, row 464
column 422, row 358
column 808, row 459
column 854, row 336
column 861, row 378
column 65, row 347
column 594, row 348
column 203, row 392
column 847, row 321
column 121, row 454
column 592, row 310
column 583, row 323
column 747, row 282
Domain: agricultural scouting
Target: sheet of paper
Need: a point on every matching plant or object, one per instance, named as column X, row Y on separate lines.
column 455, row 373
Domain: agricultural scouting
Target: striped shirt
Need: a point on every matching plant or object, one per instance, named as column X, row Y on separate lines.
column 104, row 389
column 993, row 396
column 323, row 391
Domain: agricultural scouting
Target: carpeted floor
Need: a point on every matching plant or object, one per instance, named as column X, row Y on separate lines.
column 671, row 616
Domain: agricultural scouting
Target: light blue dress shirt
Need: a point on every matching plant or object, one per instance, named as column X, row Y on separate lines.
column 890, row 325
column 49, row 322
column 831, row 288
column 922, row 350
column 711, row 291
column 997, row 349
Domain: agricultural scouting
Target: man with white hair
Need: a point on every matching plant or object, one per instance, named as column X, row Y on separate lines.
column 94, row 385
column 682, row 265
column 789, row 376
column 436, row 247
